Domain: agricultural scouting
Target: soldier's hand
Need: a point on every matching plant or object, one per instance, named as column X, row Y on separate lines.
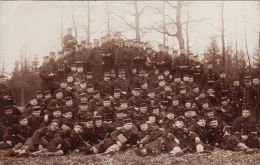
column 119, row 143
column 177, row 141
column 244, row 137
column 197, row 140
column 223, row 110
column 46, row 118
column 58, row 147
column 9, row 142
column 141, row 145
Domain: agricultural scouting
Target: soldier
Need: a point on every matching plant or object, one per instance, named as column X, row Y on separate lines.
column 222, row 86
column 95, row 104
column 69, row 42
column 47, row 75
column 197, row 70
column 67, row 119
column 101, row 130
column 105, row 86
column 122, row 83
column 106, row 111
column 248, row 94
column 210, row 76
column 148, row 140
column 181, row 64
column 236, row 97
column 162, row 59
column 226, row 111
column 35, row 119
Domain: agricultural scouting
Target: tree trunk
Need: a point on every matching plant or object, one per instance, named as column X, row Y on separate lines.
column 88, row 30
column 223, row 36
column 187, row 30
column 108, row 20
column 164, row 26
column 179, row 25
column 137, row 25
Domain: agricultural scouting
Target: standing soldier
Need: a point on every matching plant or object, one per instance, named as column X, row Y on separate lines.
column 69, row 42
column 47, row 75
column 97, row 62
column 197, row 71
column 210, row 76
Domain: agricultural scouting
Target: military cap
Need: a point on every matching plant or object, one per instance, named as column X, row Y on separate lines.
column 182, row 87
column 90, row 85
column 143, row 104
column 177, row 76
column 188, row 101
column 199, row 117
column 160, row 45
column 154, row 107
column 36, row 108
column 8, row 107
column 39, row 92
column 106, row 73
column 97, row 118
column 180, row 118
column 83, row 81
column 175, row 98
column 67, row 110
column 143, row 122
column 89, row 43
column 224, row 98
column 195, row 86
column 68, row 98
column 56, row 108
column 79, row 124
column 136, row 89
column 106, row 99
column 247, row 78
column 117, row 90
column 120, row 110
column 56, row 121
column 58, row 91
column 45, row 57
column 151, row 91
column 121, row 72
column 89, row 73
column 47, row 92
column 90, row 118
column 222, row 71
column 128, row 120
column 123, row 101
column 83, row 103
column 96, row 92
column 167, row 47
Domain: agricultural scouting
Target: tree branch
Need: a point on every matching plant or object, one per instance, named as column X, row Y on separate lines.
column 171, row 5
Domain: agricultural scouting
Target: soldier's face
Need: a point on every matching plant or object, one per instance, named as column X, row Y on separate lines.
column 201, row 123
column 96, row 96
column 117, row 95
column 80, row 69
column 191, row 79
column 54, row 126
column 151, row 95
column 70, row 79
column 23, row 122
column 59, row 95
column 205, row 106
column 186, row 78
column 190, row 114
column 120, row 115
column 89, row 124
column 124, row 105
column 256, row 81
column 166, row 73
column 106, row 103
column 196, row 90
column 156, row 112
column 175, row 102
column 179, row 124
column 121, row 76
column 78, row 129
column 90, row 90
column 162, row 83
column 156, row 72
column 223, row 75
column 89, row 76
column 69, row 102
column 168, row 88
column 144, row 86
column 128, row 126
column 236, row 83
column 96, row 44
column 210, row 91
column 36, row 113
column 170, row 116
column 63, row 85
column 143, row 109
column 73, row 68
column 67, row 115
column 177, row 80
column 134, row 71
column 224, row 102
column 57, row 113
column 113, row 74
column 187, row 105
column 47, row 96
column 152, row 119
column 98, row 123
column 183, row 91
column 210, row 114
column 160, row 77
column 210, row 66
column 144, row 127
column 34, row 102
column 214, row 123
column 246, row 113
column 8, row 112
column 106, row 78
column 83, row 85
column 39, row 96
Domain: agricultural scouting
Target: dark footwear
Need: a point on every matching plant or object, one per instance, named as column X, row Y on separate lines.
column 250, row 150
column 139, row 152
column 178, row 154
column 23, row 153
column 10, row 153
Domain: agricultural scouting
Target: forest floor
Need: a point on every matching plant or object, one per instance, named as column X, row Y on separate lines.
column 218, row 157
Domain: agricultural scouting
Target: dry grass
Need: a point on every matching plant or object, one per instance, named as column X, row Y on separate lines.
column 218, row 157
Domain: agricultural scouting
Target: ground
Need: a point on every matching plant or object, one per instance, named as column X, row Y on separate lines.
column 218, row 157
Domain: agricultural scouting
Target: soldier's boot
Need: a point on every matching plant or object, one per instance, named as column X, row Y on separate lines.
column 23, row 153
column 4, row 145
column 250, row 150
column 140, row 152
column 177, row 151
column 199, row 148
column 10, row 153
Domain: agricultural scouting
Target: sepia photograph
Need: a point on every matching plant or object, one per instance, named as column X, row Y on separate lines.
column 129, row 82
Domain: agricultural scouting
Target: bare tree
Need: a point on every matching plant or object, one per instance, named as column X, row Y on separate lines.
column 187, row 29
column 223, row 35
column 137, row 14
column 108, row 19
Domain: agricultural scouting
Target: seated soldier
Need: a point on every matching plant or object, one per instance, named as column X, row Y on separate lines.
column 148, row 141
